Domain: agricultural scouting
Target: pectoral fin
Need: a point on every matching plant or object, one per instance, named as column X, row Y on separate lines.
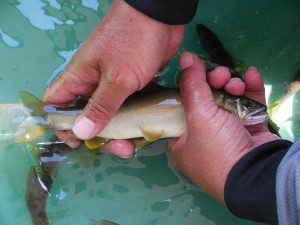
column 95, row 142
column 150, row 136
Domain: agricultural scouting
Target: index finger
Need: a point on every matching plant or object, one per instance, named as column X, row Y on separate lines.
column 254, row 85
column 69, row 85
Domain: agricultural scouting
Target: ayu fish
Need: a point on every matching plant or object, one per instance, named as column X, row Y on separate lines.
column 39, row 178
column 291, row 89
column 152, row 116
column 217, row 53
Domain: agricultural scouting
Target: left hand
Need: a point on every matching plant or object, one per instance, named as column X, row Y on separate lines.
column 215, row 139
column 120, row 57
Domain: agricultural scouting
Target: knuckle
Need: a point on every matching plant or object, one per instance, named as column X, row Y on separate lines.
column 96, row 111
column 129, row 82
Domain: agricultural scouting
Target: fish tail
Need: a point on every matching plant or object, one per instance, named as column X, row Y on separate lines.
column 33, row 128
column 33, row 103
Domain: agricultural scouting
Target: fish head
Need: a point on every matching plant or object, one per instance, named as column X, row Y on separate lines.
column 250, row 111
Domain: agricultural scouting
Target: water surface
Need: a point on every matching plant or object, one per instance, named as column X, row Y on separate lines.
column 38, row 38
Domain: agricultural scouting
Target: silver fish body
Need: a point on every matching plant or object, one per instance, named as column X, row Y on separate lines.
column 158, row 113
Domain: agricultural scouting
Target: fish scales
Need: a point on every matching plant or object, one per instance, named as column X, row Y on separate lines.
column 152, row 116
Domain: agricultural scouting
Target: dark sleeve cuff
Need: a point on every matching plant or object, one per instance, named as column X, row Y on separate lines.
column 250, row 186
column 173, row 12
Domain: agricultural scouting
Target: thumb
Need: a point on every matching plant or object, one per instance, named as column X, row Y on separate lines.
column 196, row 94
column 104, row 103
column 197, row 100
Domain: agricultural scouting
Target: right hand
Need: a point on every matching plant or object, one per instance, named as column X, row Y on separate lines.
column 120, row 57
column 215, row 139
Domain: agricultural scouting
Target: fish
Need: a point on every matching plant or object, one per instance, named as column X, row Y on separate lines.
column 219, row 56
column 103, row 222
column 217, row 53
column 107, row 222
column 36, row 196
column 45, row 157
column 291, row 89
column 152, row 116
column 275, row 107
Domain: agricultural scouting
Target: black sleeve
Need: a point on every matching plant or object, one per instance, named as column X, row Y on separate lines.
column 250, row 186
column 174, row 12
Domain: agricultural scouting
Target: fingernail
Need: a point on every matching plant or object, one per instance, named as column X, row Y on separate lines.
column 221, row 69
column 252, row 68
column 186, row 60
column 235, row 80
column 84, row 128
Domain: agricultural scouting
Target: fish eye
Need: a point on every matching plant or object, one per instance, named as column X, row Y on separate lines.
column 247, row 103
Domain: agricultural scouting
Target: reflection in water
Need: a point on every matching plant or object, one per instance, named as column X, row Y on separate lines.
column 37, row 15
column 159, row 174
column 146, row 183
column 67, row 55
column 54, row 4
column 92, row 4
column 10, row 41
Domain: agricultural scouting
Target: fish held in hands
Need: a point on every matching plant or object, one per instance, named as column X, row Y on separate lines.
column 153, row 116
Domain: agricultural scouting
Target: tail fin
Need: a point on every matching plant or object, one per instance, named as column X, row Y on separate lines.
column 33, row 127
column 32, row 102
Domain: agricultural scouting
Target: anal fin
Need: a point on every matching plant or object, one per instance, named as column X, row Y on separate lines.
column 95, row 142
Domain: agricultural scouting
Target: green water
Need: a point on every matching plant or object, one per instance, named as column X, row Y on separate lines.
column 38, row 37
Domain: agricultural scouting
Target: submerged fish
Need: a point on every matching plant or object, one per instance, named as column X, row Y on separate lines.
column 219, row 56
column 107, row 222
column 152, row 116
column 291, row 89
column 39, row 178
column 217, row 53
column 103, row 222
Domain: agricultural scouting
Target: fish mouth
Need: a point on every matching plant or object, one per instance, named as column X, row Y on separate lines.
column 256, row 117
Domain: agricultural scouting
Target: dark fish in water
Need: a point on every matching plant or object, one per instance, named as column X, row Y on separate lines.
column 216, row 51
column 107, row 222
column 103, row 222
column 39, row 179
column 36, row 196
column 214, row 47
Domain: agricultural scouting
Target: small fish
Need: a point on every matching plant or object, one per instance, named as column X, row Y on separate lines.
column 103, row 222
column 107, row 222
column 36, row 197
column 39, row 178
column 152, row 116
column 217, row 53
column 291, row 89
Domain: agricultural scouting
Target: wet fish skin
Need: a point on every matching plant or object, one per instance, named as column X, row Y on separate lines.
column 159, row 114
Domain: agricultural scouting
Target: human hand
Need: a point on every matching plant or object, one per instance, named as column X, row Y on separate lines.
column 215, row 139
column 121, row 56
